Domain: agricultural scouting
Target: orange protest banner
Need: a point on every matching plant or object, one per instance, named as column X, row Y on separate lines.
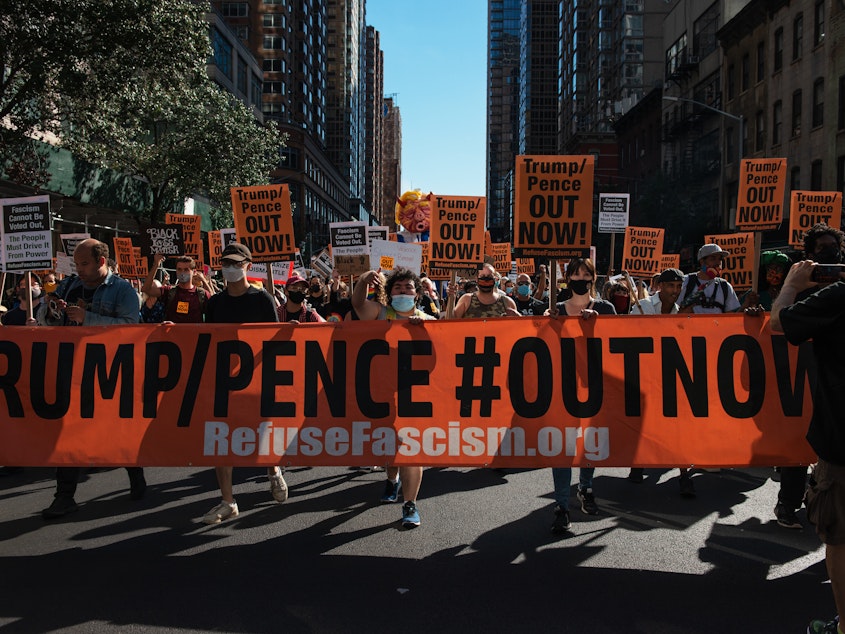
column 533, row 392
column 191, row 232
column 739, row 265
column 264, row 221
column 670, row 261
column 501, row 254
column 124, row 257
column 642, row 251
column 553, row 209
column 807, row 208
column 215, row 249
column 760, row 197
column 457, row 232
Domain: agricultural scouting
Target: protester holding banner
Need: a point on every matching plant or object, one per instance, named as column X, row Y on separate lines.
column 580, row 277
column 94, row 297
column 526, row 303
column 318, row 295
column 19, row 315
column 821, row 318
column 339, row 305
column 705, row 292
column 488, row 301
column 240, row 303
column 402, row 287
column 184, row 303
column 295, row 309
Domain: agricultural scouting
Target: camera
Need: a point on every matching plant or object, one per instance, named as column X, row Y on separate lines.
column 827, row 273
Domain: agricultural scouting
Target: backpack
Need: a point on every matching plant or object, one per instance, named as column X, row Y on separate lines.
column 201, row 297
column 705, row 302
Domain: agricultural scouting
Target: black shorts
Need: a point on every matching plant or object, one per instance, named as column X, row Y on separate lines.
column 826, row 502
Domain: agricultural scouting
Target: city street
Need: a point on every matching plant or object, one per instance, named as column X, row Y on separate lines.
column 332, row 559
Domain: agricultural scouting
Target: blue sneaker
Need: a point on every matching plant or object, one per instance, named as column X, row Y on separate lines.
column 821, row 627
column 410, row 515
column 391, row 492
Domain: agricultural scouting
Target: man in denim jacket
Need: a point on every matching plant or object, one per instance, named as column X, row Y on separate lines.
column 95, row 297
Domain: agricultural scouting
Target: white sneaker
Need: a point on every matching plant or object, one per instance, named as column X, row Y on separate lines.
column 278, row 488
column 222, row 511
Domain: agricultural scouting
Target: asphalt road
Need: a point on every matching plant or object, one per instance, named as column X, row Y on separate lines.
column 332, row 559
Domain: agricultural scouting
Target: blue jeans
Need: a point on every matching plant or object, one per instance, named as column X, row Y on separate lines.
column 562, row 477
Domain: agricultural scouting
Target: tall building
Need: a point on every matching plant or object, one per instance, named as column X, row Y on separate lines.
column 391, row 165
column 374, row 129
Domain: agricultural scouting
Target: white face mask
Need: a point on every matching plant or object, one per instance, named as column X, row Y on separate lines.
column 233, row 273
column 184, row 278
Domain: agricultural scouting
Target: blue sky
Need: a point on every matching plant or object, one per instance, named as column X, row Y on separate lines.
column 435, row 58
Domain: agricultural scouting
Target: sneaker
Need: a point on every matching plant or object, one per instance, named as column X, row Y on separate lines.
column 278, row 487
column 588, row 501
column 687, row 487
column 561, row 524
column 410, row 515
column 823, row 627
column 60, row 507
column 636, row 475
column 222, row 511
column 786, row 517
column 137, row 485
column 391, row 492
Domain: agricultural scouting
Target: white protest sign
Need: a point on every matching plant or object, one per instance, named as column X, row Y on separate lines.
column 388, row 255
column 613, row 212
column 26, row 236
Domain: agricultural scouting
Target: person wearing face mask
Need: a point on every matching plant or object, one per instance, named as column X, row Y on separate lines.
column 295, row 310
column 20, row 314
column 706, row 292
column 395, row 298
column 580, row 276
column 184, row 303
column 487, row 301
column 526, row 303
column 240, row 303
column 318, row 294
column 618, row 295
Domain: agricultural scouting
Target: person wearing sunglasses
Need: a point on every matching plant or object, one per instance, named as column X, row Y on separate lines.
column 487, row 301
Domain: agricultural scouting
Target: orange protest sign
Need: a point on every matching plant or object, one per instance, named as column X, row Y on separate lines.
column 670, row 261
column 553, row 208
column 457, row 232
column 264, row 221
column 501, row 254
column 488, row 243
column 215, row 249
column 760, row 197
column 807, row 208
column 525, row 265
column 616, row 391
column 142, row 267
column 642, row 251
column 124, row 257
column 739, row 265
column 190, row 232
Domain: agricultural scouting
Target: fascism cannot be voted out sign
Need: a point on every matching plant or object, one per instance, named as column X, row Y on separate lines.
column 264, row 221
column 26, row 236
column 759, row 205
column 553, row 211
column 613, row 212
column 457, row 232
column 350, row 249
column 808, row 208
column 739, row 265
column 642, row 251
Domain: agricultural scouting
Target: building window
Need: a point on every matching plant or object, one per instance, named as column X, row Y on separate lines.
column 797, row 37
column 746, row 72
column 234, row 9
column 731, row 81
column 795, row 178
column 730, row 146
column 222, row 50
column 255, row 90
column 778, row 61
column 704, row 39
column 818, row 102
column 273, row 65
column 274, row 42
column 760, row 131
column 796, row 113
column 242, row 75
column 274, row 87
column 676, row 56
column 818, row 23
column 242, row 32
column 777, row 122
column 816, row 176
column 274, row 20
column 761, row 62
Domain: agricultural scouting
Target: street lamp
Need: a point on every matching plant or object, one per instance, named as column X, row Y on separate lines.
column 738, row 118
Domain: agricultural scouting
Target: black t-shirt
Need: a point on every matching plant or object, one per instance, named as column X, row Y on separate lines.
column 821, row 317
column 601, row 306
column 254, row 306
column 530, row 306
column 16, row 316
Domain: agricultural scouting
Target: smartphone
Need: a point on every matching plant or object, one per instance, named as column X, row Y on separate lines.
column 827, row 273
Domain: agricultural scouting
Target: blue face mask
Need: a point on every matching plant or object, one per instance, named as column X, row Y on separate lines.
column 403, row 303
column 523, row 290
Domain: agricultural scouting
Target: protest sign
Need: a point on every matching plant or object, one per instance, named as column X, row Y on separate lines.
column 70, row 240
column 190, row 233
column 642, row 250
column 26, row 233
column 377, row 233
column 501, row 254
column 387, row 255
column 264, row 221
column 457, row 232
column 322, row 262
column 525, row 265
column 215, row 249
column 613, row 212
column 124, row 257
column 760, row 197
column 670, row 261
column 142, row 267
column 650, row 390
column 167, row 239
column 808, row 208
column 350, row 250
column 64, row 264
column 281, row 271
column 553, row 206
column 738, row 267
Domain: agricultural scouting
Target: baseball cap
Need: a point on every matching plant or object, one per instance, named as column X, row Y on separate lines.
column 294, row 278
column 710, row 249
column 237, row 252
column 671, row 275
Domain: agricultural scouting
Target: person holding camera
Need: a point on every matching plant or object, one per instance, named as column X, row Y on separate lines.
column 705, row 291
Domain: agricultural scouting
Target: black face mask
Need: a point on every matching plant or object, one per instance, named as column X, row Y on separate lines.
column 316, row 289
column 580, row 287
column 297, row 297
column 828, row 255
